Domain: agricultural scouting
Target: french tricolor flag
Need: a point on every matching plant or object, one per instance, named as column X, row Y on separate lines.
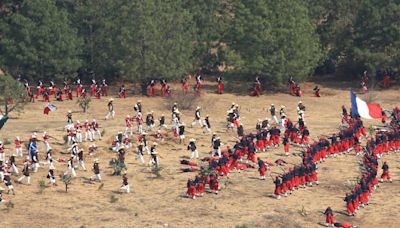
column 363, row 109
column 48, row 108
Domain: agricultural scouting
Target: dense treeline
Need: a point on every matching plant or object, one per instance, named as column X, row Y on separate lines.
column 141, row 39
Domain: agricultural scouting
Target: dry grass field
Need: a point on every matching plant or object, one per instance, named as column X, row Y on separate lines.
column 160, row 202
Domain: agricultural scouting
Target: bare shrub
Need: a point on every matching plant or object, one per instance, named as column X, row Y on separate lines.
column 185, row 102
column 84, row 103
column 42, row 186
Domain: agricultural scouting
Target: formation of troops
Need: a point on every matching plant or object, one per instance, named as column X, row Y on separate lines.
column 222, row 159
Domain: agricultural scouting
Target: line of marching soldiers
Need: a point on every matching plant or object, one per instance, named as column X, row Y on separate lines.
column 384, row 142
column 96, row 89
column 305, row 174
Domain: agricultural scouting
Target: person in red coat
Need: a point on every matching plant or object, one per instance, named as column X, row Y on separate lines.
column 343, row 225
column 286, row 145
column 385, row 175
column 93, row 88
column 349, row 204
column 257, row 87
column 292, row 85
column 152, row 89
column 384, row 117
column 262, row 168
column 220, row 85
column 185, row 85
column 317, row 91
column 278, row 187
column 79, row 87
column 297, row 90
column 191, row 189
column 199, row 181
column 329, row 217
column 104, row 88
column 214, row 186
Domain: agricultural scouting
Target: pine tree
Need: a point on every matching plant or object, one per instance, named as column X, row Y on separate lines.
column 37, row 40
column 377, row 35
column 12, row 95
column 136, row 39
column 210, row 18
column 273, row 39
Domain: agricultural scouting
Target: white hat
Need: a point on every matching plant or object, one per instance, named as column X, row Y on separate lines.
column 233, row 103
column 300, row 102
column 78, row 121
column 207, row 115
column 69, row 111
column 96, row 160
column 111, row 99
column 155, row 144
column 1, row 189
column 158, row 131
column 192, row 140
column 139, row 101
column 94, row 120
column 151, row 111
column 128, row 116
column 86, row 120
column 198, row 107
column 272, row 105
column 1, row 142
column 17, row 138
column 45, row 133
column 144, row 133
column 283, row 106
column 183, row 124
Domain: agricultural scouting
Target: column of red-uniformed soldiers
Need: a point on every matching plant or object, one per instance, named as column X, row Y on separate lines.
column 383, row 142
column 96, row 90
column 305, row 173
column 102, row 90
column 166, row 90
